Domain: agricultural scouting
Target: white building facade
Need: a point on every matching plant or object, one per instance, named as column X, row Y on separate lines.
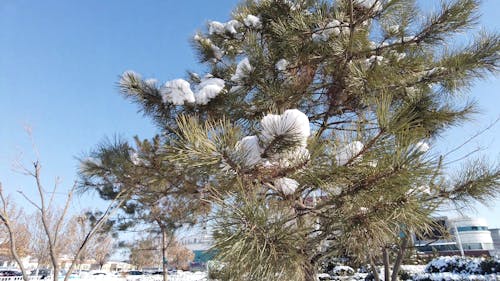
column 468, row 235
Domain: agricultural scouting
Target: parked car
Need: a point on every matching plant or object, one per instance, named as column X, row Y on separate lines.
column 7, row 272
column 134, row 275
column 41, row 272
column 98, row 272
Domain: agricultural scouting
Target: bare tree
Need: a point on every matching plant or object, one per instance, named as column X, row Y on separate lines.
column 144, row 252
column 180, row 256
column 53, row 224
column 10, row 227
column 20, row 228
column 102, row 248
column 148, row 252
column 54, row 220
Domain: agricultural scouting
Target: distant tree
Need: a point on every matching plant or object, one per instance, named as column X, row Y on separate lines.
column 20, row 228
column 180, row 256
column 39, row 243
column 145, row 253
column 10, row 223
column 103, row 246
column 99, row 247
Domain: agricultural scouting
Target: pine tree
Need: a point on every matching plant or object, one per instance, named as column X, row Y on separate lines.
column 310, row 134
column 154, row 193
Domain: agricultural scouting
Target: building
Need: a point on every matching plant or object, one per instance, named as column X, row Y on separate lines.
column 495, row 235
column 199, row 241
column 452, row 236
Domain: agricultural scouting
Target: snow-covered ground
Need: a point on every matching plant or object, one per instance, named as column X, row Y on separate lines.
column 179, row 276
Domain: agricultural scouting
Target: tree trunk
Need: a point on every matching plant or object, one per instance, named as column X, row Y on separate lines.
column 164, row 245
column 385, row 257
column 13, row 249
column 374, row 269
column 309, row 272
column 55, row 268
column 399, row 258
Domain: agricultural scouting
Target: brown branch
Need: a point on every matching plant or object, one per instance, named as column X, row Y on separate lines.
column 4, row 218
column 366, row 147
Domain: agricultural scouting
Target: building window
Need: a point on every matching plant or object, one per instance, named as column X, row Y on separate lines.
column 472, row 246
column 472, row 228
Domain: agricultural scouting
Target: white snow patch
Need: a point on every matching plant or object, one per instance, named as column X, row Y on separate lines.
column 286, row 185
column 250, row 149
column 292, row 121
column 177, row 92
column 411, row 90
column 292, row 157
column 422, row 147
column 208, row 89
column 242, row 70
column 333, row 28
column 252, row 22
column 151, row 82
column 348, row 151
column 134, row 157
column 217, row 52
column 343, row 270
column 374, row 60
column 215, row 27
column 281, row 65
column 407, row 39
column 232, row 26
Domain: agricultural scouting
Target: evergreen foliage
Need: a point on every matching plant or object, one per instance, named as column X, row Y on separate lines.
column 310, row 132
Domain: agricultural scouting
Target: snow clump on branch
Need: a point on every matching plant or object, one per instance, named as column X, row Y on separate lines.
column 422, row 147
column 348, row 151
column 231, row 27
column 177, row 92
column 292, row 125
column 215, row 27
column 333, row 28
column 242, row 70
column 286, row 185
column 285, row 134
column 252, row 21
column 281, row 65
column 250, row 150
column 217, row 52
column 208, row 89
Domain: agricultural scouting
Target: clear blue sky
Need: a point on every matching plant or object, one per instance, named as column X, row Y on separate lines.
column 60, row 60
